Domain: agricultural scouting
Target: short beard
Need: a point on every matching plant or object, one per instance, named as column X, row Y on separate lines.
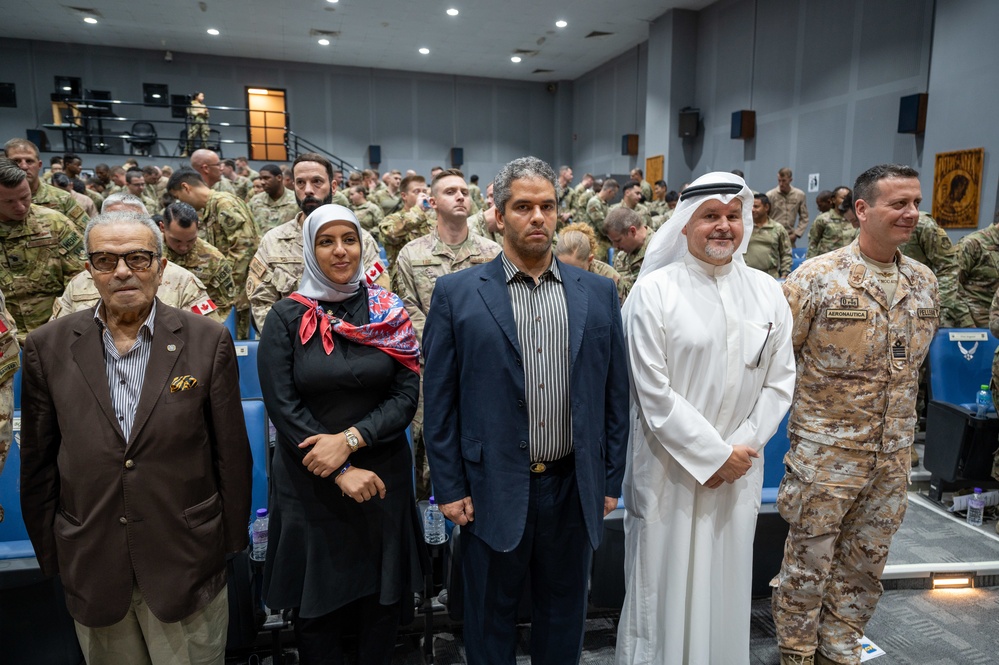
column 309, row 204
column 719, row 253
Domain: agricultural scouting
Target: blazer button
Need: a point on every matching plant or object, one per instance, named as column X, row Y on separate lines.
column 520, row 403
column 123, row 520
column 129, row 464
column 523, row 444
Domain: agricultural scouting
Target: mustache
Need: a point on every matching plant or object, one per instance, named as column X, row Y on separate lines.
column 721, row 236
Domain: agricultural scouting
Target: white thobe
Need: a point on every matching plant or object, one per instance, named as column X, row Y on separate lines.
column 705, row 375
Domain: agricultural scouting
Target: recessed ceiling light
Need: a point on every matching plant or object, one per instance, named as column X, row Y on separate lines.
column 90, row 19
column 212, row 31
column 156, row 95
column 452, row 12
column 333, row 1
column 425, row 51
column 560, row 24
column 515, row 58
column 67, row 88
column 324, row 42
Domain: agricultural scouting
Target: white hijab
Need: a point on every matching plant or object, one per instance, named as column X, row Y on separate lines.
column 669, row 245
column 315, row 284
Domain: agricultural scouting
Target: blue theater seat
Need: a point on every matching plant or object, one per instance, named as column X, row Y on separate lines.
column 255, row 417
column 795, row 262
column 230, row 322
column 798, row 252
column 246, row 359
column 14, row 543
column 17, row 385
column 773, row 461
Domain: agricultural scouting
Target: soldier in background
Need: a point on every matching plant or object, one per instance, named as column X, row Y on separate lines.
column 978, row 271
column 182, row 246
column 369, row 215
column 631, row 198
column 596, row 210
column 10, row 362
column 409, row 223
column 566, row 195
column 240, row 183
column 41, row 252
column 824, row 201
column 630, row 236
column 788, row 205
column 476, row 192
column 834, row 229
column 24, row 154
column 135, row 184
column 387, row 197
column 583, row 193
column 276, row 204
column 769, row 247
column 639, row 177
column 243, row 168
column 931, row 246
column 63, row 182
column 209, row 165
column 864, row 316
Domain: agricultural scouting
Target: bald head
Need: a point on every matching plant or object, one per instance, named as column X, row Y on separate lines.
column 208, row 164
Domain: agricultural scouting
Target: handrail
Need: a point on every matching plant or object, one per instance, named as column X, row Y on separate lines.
column 294, row 143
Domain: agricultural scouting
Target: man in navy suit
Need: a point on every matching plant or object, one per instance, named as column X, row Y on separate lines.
column 526, row 393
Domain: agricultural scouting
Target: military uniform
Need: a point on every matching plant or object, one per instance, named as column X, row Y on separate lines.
column 852, row 421
column 62, row 201
column 340, row 199
column 994, row 327
column 829, row 231
column 179, row 288
column 629, row 264
column 276, row 268
column 96, row 198
column 476, row 193
column 41, row 254
column 657, row 207
column 212, row 269
column 931, row 246
column 369, row 216
column 639, row 208
column 580, row 199
column 400, row 228
column 978, row 272
column 223, row 185
column 227, row 223
column 596, row 212
column 566, row 202
column 243, row 187
column 387, row 201
column 477, row 225
column 269, row 213
column 785, row 208
column 769, row 249
column 9, row 363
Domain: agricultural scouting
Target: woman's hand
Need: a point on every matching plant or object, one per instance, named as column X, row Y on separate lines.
column 329, row 452
column 360, row 484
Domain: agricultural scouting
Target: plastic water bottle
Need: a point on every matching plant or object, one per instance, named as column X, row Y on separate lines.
column 976, row 507
column 433, row 525
column 983, row 400
column 258, row 534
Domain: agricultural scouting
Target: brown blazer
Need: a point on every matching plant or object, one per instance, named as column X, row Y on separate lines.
column 165, row 506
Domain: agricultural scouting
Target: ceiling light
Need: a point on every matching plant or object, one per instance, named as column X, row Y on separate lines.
column 425, row 51
column 452, row 12
column 560, row 24
column 212, row 31
column 324, row 42
column 156, row 95
column 333, row 1
column 67, row 88
column 954, row 581
column 91, row 20
column 258, row 91
column 515, row 58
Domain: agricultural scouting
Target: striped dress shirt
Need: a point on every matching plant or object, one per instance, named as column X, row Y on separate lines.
column 126, row 372
column 542, row 317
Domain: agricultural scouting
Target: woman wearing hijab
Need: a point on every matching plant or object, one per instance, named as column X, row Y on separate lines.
column 339, row 369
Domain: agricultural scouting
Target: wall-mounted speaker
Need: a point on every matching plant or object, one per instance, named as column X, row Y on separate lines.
column 744, row 124
column 629, row 144
column 374, row 154
column 457, row 157
column 912, row 114
column 689, row 119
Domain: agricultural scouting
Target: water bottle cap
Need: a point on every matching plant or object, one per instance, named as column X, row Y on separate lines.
column 985, row 386
column 261, row 512
column 432, row 502
column 978, row 490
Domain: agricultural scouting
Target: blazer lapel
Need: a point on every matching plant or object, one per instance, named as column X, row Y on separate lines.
column 577, row 302
column 88, row 353
column 497, row 298
column 167, row 347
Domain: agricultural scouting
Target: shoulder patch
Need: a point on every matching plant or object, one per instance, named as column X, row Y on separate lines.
column 258, row 268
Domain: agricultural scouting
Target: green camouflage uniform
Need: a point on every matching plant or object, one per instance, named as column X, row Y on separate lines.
column 604, row 270
column 657, row 207
column 269, row 213
column 642, row 211
column 276, row 268
column 581, row 197
column 41, row 254
column 477, row 225
column 387, row 201
column 596, row 211
column 227, row 223
column 852, row 422
column 400, row 228
column 770, row 249
column 340, row 199
column 212, row 269
column 476, row 193
column 566, row 202
column 369, row 215
column 829, row 231
column 178, row 288
column 9, row 363
column 629, row 264
column 62, row 201
column 978, row 272
column 95, row 197
column 243, row 187
column 223, row 185
column 931, row 246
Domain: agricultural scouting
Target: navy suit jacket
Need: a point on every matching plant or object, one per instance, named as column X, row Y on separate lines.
column 476, row 426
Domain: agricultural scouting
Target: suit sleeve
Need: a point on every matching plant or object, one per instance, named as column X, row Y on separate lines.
column 233, row 461
column 616, row 405
column 40, row 441
column 441, row 390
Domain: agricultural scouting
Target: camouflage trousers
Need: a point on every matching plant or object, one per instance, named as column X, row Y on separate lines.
column 843, row 507
column 423, row 488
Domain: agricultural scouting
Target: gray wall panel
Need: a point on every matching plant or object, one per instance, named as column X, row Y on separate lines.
column 826, row 63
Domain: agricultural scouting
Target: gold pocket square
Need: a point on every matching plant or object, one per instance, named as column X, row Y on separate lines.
column 179, row 383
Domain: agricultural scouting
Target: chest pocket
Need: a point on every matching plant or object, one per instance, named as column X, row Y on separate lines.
column 756, row 338
column 845, row 337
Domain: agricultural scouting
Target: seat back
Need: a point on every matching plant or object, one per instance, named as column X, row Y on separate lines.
column 798, row 252
column 14, row 543
column 960, row 362
column 246, row 359
column 17, row 385
column 773, row 455
column 143, row 130
column 255, row 417
column 230, row 322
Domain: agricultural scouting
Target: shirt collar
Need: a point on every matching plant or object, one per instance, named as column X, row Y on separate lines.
column 512, row 271
column 148, row 324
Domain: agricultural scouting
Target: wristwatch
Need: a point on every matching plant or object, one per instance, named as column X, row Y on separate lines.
column 352, row 441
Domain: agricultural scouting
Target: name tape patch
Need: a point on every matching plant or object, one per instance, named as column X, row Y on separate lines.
column 857, row 314
column 968, row 337
column 928, row 313
column 849, row 302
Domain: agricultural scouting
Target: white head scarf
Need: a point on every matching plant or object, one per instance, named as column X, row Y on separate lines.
column 669, row 245
column 314, row 283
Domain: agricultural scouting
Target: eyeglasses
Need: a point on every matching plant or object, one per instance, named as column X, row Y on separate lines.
column 137, row 260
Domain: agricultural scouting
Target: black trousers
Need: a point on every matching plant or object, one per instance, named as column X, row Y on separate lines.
column 320, row 639
column 554, row 556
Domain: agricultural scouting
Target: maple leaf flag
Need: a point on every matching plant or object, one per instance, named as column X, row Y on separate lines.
column 204, row 307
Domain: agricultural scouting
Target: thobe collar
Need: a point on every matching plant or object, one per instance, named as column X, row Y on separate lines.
column 709, row 269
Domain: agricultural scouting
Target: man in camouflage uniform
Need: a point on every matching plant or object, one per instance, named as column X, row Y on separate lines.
column 10, row 361
column 155, row 183
column 476, row 192
column 209, row 165
column 387, row 198
column 978, row 271
column 631, row 198
column 931, row 246
column 657, row 206
column 864, row 316
column 409, row 223
column 227, row 224
column 834, row 229
column 243, row 169
column 276, row 204
column 368, row 214
column 769, row 247
column 135, row 184
column 638, row 177
column 425, row 259
column 183, row 247
column 583, row 193
column 25, row 154
column 240, row 183
column 630, row 236
column 596, row 210
column 41, row 252
column 566, row 196
column 788, row 204
column 116, row 181
column 276, row 268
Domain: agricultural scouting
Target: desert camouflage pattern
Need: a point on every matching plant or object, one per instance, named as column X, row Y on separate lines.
column 978, row 272
column 789, row 210
column 401, row 228
column 931, row 246
column 843, row 507
column 9, row 363
column 858, row 360
column 211, row 269
column 770, row 249
column 269, row 213
column 628, row 265
column 829, row 231
column 56, row 199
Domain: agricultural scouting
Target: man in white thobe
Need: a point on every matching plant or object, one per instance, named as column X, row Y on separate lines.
column 712, row 372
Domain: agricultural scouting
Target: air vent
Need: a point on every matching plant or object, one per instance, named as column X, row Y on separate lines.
column 543, row 71
column 525, row 52
column 324, row 33
column 597, row 33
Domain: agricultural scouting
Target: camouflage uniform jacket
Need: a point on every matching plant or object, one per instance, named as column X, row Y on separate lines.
column 387, row 201
column 628, row 265
column 96, row 198
column 566, row 199
column 42, row 254
column 179, row 288
column 641, row 209
column 978, row 272
column 210, row 268
column 56, row 199
column 425, row 259
column 477, row 224
column 646, row 189
column 9, row 363
column 596, row 211
column 784, row 208
column 369, row 215
column 476, row 193
column 582, row 198
column 223, row 185
column 340, row 199
column 276, row 268
column 770, row 249
column 269, row 213
column 931, row 246
column 858, row 359
column 829, row 231
column 403, row 227
column 657, row 207
column 243, row 187
column 227, row 224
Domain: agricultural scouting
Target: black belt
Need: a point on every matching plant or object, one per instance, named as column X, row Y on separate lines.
column 559, row 466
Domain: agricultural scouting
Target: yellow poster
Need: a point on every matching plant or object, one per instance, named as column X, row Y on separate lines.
column 957, row 188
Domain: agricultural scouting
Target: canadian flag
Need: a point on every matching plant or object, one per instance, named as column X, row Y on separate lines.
column 3, row 328
column 204, row 307
column 376, row 269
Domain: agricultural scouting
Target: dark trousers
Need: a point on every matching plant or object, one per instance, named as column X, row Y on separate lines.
column 320, row 640
column 554, row 557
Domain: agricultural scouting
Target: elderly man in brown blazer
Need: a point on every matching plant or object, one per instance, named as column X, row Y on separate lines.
column 136, row 470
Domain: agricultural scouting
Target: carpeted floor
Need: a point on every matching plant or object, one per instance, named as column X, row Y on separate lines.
column 930, row 535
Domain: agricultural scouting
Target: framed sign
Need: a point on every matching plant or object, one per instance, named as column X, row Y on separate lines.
column 957, row 188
